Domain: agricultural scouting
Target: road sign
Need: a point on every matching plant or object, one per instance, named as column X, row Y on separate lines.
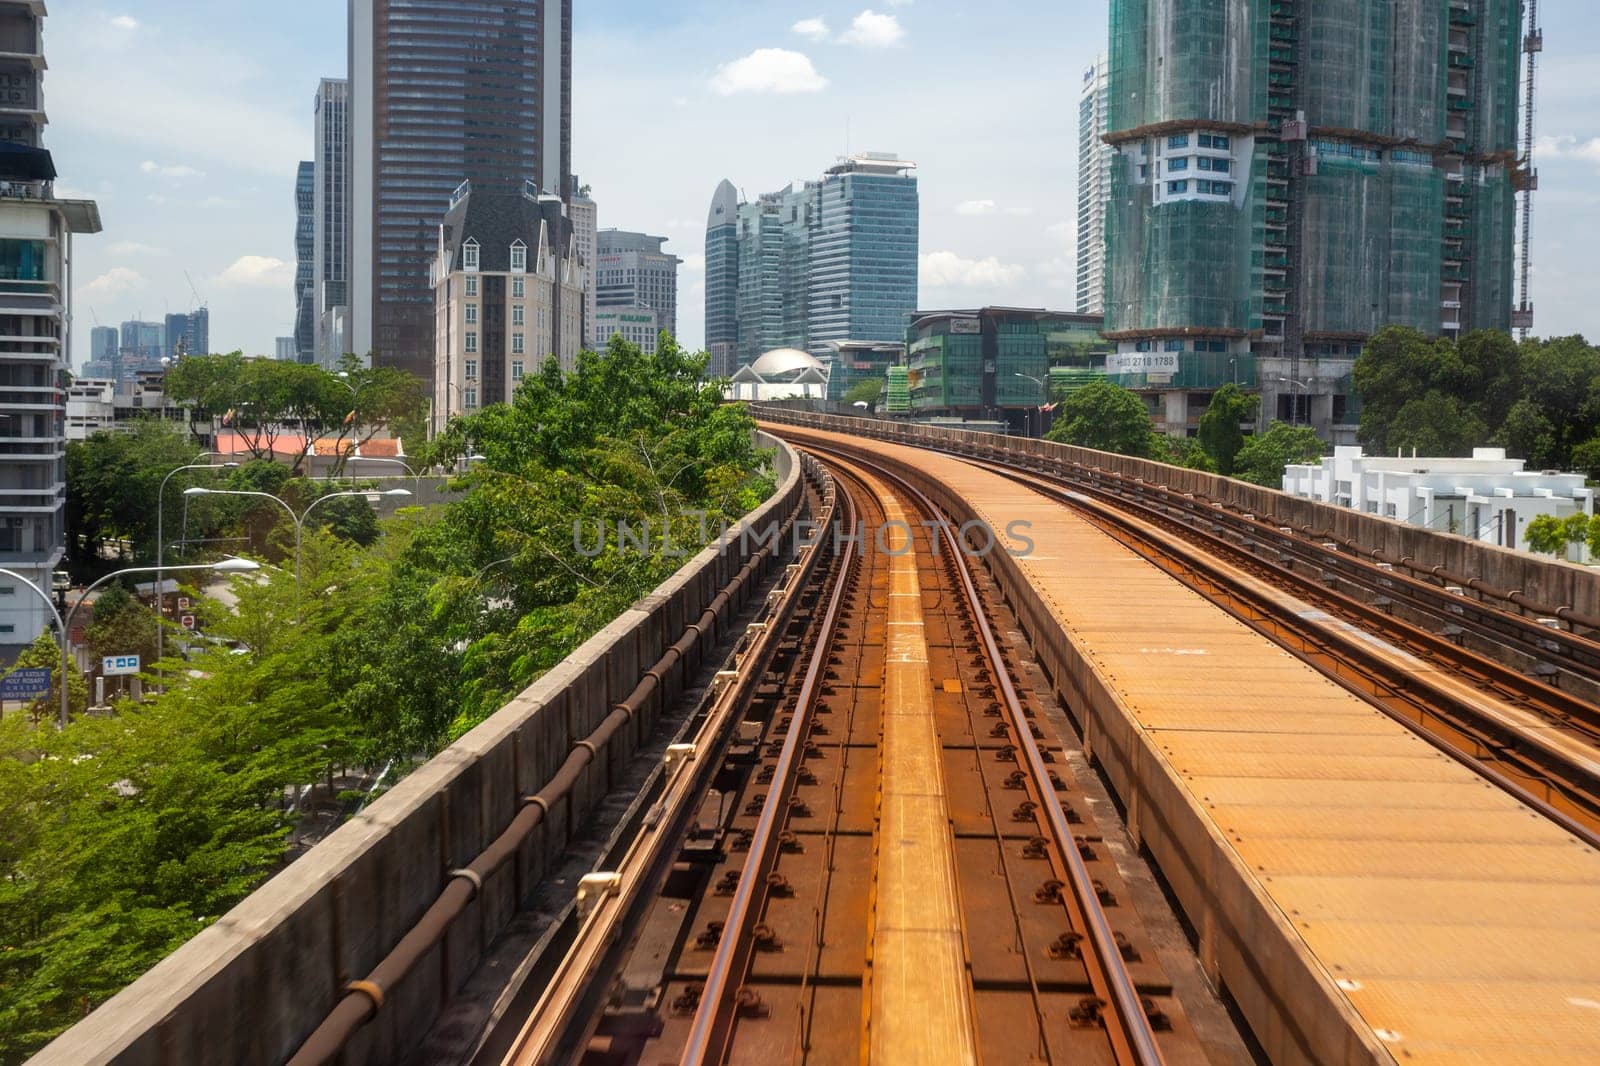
column 188, row 621
column 119, row 665
column 25, row 685
column 183, row 603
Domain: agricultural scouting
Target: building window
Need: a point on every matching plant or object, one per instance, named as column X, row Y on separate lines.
column 472, row 370
column 8, row 629
column 470, row 398
column 1174, row 346
column 518, row 288
column 1221, row 166
column 1177, row 186
column 516, row 369
column 469, row 257
column 472, row 286
column 519, row 258
column 1214, row 140
column 21, row 260
column 1179, row 141
column 1178, row 164
column 472, row 342
column 517, row 347
column 472, row 314
column 518, row 313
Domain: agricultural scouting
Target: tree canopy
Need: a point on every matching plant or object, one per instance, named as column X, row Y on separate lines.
column 1106, row 417
column 121, row 837
column 1539, row 399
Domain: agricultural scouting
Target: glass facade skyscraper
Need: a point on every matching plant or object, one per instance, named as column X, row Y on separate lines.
column 443, row 92
column 815, row 264
column 863, row 252
column 305, row 244
column 722, row 280
column 331, row 257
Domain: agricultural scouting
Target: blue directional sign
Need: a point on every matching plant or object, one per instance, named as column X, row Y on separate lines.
column 119, row 665
column 25, row 685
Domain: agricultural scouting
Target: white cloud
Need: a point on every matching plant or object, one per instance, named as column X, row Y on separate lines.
column 976, row 207
column 1568, row 147
column 940, row 270
column 135, row 248
column 258, row 271
column 176, row 171
column 815, row 29
column 872, row 30
column 114, row 282
column 125, row 22
column 768, row 70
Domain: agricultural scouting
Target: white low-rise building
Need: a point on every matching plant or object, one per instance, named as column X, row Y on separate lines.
column 1487, row 498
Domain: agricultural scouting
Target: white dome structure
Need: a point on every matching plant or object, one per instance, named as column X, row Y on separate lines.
column 785, row 364
column 783, row 373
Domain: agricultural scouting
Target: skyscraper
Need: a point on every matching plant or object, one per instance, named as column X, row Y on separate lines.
column 633, row 273
column 104, row 349
column 188, row 334
column 143, row 346
column 36, row 231
column 1288, row 181
column 722, row 280
column 442, row 93
column 585, row 216
column 305, row 230
column 815, row 264
column 863, row 252
column 331, row 227
column 1094, row 187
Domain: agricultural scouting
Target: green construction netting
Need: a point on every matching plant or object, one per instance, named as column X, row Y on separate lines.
column 1212, row 61
column 1183, row 263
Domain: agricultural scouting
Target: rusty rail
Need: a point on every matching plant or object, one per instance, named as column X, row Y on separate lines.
column 709, row 1034
column 1375, row 679
column 364, row 998
column 1133, row 1040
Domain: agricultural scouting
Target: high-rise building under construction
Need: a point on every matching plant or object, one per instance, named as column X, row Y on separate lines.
column 1292, row 176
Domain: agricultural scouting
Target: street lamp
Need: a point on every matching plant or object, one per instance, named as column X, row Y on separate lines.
column 226, row 566
column 161, row 539
column 1044, row 391
column 1294, row 397
column 298, row 519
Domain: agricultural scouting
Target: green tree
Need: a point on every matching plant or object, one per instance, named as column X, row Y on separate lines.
column 1398, row 367
column 1546, row 534
column 1185, row 452
column 1586, row 457
column 1562, row 381
column 1264, row 457
column 1108, row 418
column 1492, row 373
column 113, row 481
column 864, row 392
column 1527, row 434
column 1436, row 425
column 1221, row 427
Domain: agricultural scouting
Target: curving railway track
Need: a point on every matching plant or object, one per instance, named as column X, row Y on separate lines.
column 890, row 861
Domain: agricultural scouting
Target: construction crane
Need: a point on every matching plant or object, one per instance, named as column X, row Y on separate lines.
column 198, row 302
column 1532, row 45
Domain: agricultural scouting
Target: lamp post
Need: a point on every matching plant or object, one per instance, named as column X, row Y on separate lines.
column 298, row 519
column 161, row 540
column 226, row 566
column 1294, row 397
column 1044, row 391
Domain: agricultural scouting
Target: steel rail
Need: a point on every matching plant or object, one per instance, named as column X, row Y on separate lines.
column 547, row 1032
column 1562, row 708
column 712, row 1027
column 361, row 1000
column 1269, row 619
column 1108, row 974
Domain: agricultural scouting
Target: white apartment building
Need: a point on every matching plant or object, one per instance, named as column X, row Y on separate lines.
column 585, row 216
column 1094, row 186
column 36, row 284
column 1488, row 498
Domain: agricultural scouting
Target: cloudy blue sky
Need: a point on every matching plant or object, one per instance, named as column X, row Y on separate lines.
column 186, row 119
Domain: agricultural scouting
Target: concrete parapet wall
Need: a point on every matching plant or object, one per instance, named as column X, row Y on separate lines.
column 253, row 986
column 1545, row 580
